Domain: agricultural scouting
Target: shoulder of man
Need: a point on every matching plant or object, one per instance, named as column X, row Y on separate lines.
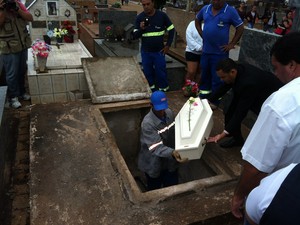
column 204, row 8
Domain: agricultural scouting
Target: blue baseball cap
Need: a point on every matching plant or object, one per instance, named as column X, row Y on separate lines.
column 159, row 100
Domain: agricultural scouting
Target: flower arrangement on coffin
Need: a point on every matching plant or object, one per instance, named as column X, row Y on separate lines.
column 40, row 48
column 69, row 37
column 108, row 33
column 190, row 88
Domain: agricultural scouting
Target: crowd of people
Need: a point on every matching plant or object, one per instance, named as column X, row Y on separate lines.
column 269, row 19
column 271, row 152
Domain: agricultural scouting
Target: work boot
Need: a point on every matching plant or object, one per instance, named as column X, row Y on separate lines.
column 232, row 142
column 14, row 103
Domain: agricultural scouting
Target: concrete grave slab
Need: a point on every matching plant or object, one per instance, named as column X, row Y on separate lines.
column 114, row 79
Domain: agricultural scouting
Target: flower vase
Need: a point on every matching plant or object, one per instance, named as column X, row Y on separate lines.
column 41, row 62
column 69, row 38
column 59, row 39
column 47, row 39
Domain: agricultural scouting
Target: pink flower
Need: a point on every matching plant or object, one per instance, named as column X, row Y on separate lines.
column 191, row 88
column 40, row 48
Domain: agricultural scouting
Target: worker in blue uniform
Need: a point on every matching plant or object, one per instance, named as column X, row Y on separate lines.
column 217, row 18
column 151, row 26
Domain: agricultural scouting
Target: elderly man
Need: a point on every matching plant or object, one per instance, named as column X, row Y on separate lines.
column 274, row 140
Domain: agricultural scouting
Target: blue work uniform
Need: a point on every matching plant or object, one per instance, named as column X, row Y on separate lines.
column 153, row 59
column 215, row 35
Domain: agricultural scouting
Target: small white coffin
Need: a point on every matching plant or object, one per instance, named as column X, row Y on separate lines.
column 193, row 125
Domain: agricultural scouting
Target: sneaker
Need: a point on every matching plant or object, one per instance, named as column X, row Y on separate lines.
column 26, row 97
column 14, row 103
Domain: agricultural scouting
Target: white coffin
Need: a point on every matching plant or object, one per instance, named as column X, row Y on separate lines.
column 190, row 140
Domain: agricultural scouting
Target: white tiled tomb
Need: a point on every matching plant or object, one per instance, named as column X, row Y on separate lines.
column 64, row 74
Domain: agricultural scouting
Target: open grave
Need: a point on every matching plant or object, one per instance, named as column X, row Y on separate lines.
column 83, row 163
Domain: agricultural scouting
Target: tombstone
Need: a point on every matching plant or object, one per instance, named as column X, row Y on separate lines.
column 115, row 19
column 50, row 14
column 128, row 32
column 255, row 48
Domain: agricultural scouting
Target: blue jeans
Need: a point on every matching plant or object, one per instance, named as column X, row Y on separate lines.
column 154, row 67
column 15, row 66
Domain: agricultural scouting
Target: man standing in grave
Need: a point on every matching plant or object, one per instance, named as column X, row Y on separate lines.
column 157, row 157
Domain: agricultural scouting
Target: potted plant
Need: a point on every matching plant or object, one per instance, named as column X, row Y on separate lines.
column 59, row 33
column 69, row 37
column 41, row 51
column 108, row 32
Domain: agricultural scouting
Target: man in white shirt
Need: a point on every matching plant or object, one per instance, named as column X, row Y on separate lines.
column 276, row 200
column 274, row 141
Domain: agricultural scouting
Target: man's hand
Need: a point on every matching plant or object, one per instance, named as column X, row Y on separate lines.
column 178, row 158
column 214, row 139
column 165, row 50
column 227, row 48
column 142, row 25
column 237, row 206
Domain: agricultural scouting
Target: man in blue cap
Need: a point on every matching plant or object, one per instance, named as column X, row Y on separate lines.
column 157, row 157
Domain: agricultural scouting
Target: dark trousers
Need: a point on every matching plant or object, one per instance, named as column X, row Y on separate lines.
column 210, row 81
column 165, row 179
column 154, row 67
